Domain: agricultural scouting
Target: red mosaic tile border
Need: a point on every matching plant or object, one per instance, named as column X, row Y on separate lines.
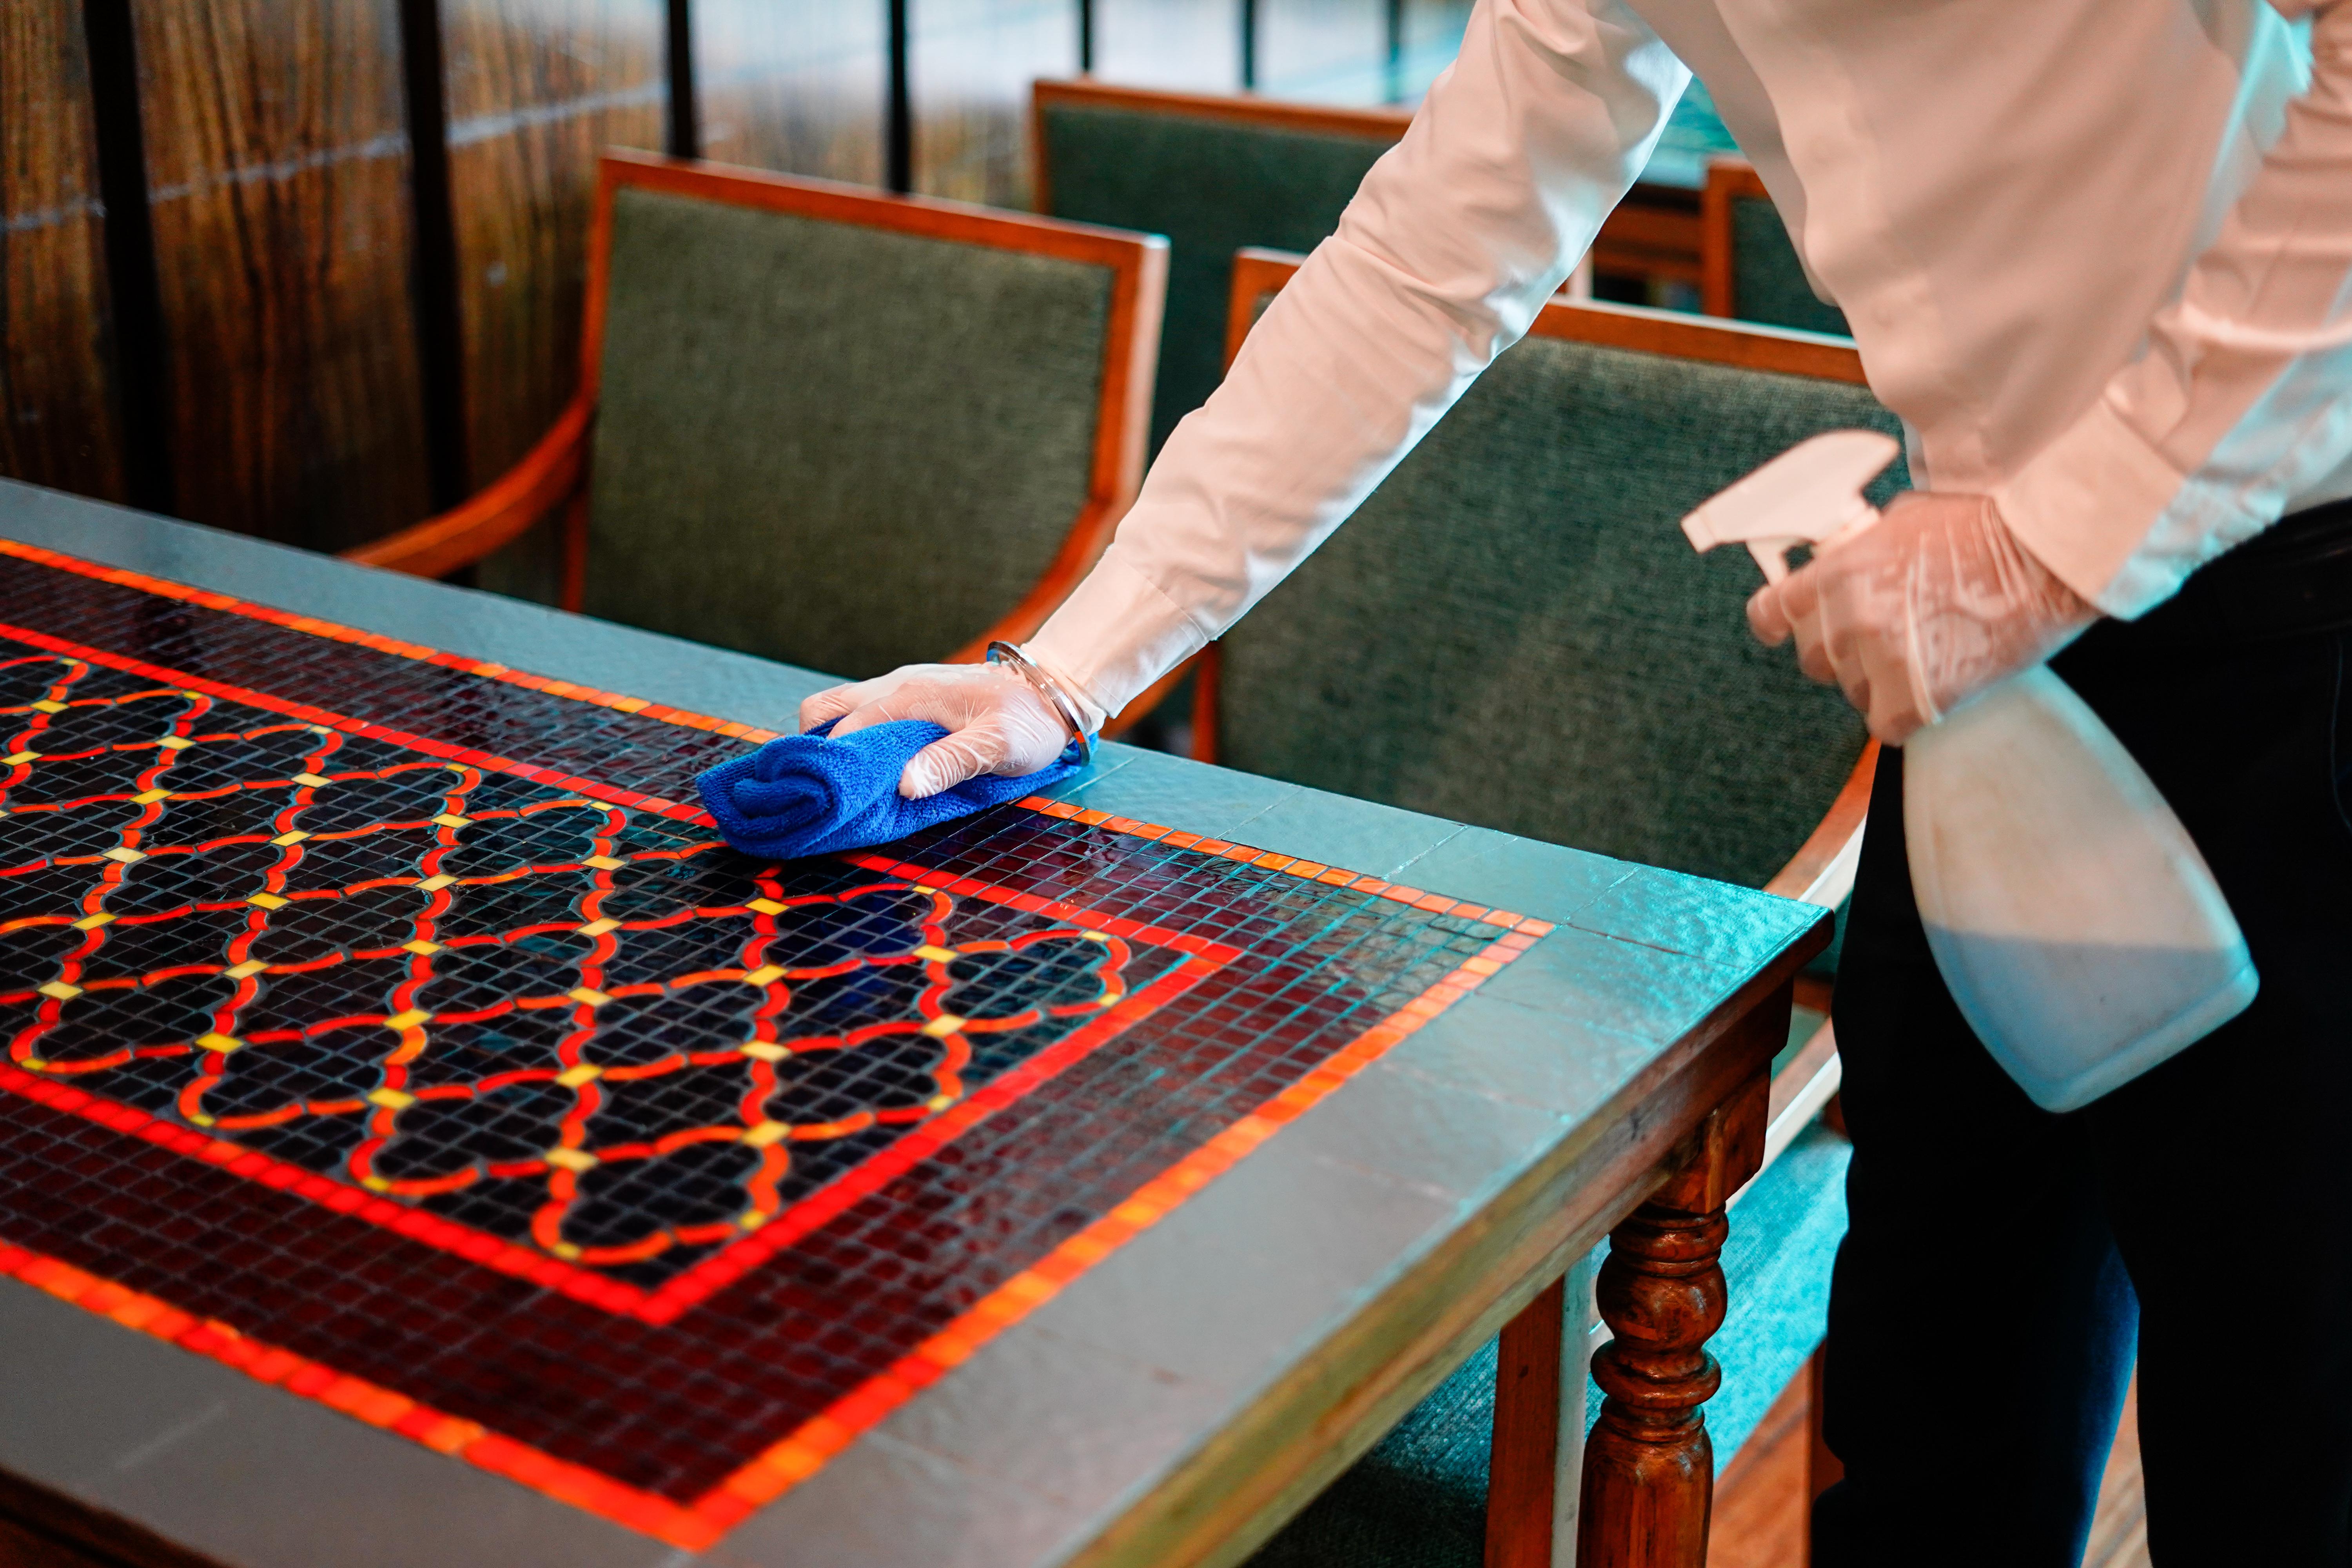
column 806, row 1450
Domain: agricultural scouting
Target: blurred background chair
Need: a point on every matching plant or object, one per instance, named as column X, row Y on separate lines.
column 1748, row 265
column 1216, row 172
column 827, row 426
column 1513, row 632
column 1213, row 174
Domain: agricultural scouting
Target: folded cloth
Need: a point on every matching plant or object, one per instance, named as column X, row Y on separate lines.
column 811, row 795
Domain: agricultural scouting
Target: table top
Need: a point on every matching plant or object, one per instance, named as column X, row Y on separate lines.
column 418, row 1141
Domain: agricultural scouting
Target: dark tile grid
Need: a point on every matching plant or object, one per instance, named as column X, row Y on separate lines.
column 323, row 1076
column 673, row 1410
column 451, row 704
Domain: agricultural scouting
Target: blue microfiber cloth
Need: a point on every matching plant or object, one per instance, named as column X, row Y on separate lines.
column 810, row 795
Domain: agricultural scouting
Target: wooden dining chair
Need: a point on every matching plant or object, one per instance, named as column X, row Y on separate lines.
column 1216, row 173
column 1749, row 268
column 827, row 426
column 1512, row 631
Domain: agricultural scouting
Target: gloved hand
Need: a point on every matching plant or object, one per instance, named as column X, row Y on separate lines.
column 997, row 721
column 1925, row 608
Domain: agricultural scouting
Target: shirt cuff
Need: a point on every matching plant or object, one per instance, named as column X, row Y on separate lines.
column 1115, row 635
column 2086, row 506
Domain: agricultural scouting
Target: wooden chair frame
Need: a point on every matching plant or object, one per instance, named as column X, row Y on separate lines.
column 1728, row 180
column 1820, row 873
column 556, row 472
column 1246, row 109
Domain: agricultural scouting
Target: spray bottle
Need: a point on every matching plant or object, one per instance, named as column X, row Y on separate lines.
column 2074, row 922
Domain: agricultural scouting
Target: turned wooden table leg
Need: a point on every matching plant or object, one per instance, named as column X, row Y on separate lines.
column 1649, row 1470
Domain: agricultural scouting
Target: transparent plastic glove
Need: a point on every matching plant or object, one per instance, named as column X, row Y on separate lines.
column 997, row 721
column 1921, row 611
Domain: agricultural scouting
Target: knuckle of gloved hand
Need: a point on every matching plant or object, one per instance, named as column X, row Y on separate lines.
column 939, row 766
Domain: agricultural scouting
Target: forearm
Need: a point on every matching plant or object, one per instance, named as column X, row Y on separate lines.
column 2244, row 399
column 1456, row 239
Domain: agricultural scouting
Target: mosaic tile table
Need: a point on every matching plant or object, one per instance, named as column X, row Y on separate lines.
column 420, row 1141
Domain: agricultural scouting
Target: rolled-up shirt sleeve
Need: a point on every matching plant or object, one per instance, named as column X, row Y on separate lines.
column 1459, row 235
column 2241, row 402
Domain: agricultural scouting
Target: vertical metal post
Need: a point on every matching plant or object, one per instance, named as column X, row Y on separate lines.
column 898, row 135
column 684, row 138
column 1086, row 37
column 130, row 274
column 433, row 248
column 1249, row 46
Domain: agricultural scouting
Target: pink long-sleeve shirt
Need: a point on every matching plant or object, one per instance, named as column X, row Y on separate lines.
column 2098, row 254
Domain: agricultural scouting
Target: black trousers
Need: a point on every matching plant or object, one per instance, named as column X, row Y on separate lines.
column 2003, row 1260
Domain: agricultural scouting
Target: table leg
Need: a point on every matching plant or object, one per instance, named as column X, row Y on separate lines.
column 1524, row 1470
column 1649, row 1470
column 1538, row 1446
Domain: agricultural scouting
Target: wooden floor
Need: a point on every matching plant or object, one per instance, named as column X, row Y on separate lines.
column 1760, row 1502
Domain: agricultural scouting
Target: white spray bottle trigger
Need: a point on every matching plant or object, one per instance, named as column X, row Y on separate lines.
column 2075, row 924
column 1810, row 494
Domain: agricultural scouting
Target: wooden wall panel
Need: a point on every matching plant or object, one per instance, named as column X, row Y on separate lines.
column 277, row 165
column 970, row 64
column 56, row 416
column 536, row 89
column 1189, row 46
column 793, row 85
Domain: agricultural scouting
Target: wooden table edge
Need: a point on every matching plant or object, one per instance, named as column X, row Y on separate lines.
column 104, row 1536
column 1227, row 1499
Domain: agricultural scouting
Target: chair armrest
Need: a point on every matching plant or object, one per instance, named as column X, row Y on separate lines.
column 548, row 474
column 1822, row 871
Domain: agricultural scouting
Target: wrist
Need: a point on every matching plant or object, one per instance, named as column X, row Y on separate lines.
column 1115, row 635
column 1069, row 713
column 1089, row 711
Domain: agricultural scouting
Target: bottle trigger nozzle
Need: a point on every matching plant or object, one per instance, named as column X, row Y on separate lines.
column 1810, row 494
column 2074, row 922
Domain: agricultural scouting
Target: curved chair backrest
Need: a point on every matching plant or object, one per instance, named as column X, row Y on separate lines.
column 1212, row 173
column 850, row 430
column 1513, row 632
column 1747, row 264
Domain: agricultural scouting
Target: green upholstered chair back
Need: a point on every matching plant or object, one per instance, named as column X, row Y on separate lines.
column 1512, row 631
column 850, row 431
column 1753, row 262
column 1768, row 281
column 1213, row 174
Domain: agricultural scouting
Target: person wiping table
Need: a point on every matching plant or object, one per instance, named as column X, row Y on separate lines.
column 2098, row 255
